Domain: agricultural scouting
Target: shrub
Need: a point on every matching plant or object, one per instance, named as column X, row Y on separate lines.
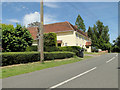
column 46, row 49
column 74, row 49
column 58, row 55
column 15, row 39
column 25, row 57
column 50, row 39
column 51, row 49
column 31, row 48
column 50, row 43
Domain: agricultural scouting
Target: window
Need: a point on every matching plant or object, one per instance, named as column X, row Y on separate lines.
column 76, row 44
column 65, row 44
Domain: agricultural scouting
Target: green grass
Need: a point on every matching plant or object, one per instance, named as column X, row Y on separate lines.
column 31, row 67
column 94, row 53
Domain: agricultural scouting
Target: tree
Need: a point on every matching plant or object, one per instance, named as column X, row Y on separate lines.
column 80, row 23
column 50, row 39
column 99, row 36
column 90, row 32
column 50, row 42
column 116, row 45
column 34, row 24
column 15, row 39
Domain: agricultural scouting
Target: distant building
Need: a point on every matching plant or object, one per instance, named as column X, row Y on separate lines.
column 67, row 35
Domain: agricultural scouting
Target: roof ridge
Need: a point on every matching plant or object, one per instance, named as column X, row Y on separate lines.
column 54, row 23
column 70, row 25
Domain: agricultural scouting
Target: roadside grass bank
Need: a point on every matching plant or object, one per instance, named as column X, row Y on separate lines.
column 9, row 71
column 95, row 53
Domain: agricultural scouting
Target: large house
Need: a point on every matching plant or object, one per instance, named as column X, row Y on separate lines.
column 67, row 35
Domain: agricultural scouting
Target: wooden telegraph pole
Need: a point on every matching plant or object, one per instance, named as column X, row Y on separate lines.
column 41, row 31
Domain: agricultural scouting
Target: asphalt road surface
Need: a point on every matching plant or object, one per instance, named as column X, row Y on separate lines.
column 96, row 72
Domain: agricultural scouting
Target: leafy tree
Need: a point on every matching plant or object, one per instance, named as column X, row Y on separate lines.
column 34, row 24
column 90, row 32
column 50, row 39
column 15, row 39
column 80, row 23
column 116, row 45
column 99, row 36
column 50, row 42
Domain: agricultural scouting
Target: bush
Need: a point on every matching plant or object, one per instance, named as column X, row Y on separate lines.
column 51, row 49
column 74, row 49
column 50, row 39
column 25, row 57
column 58, row 55
column 50, row 43
column 46, row 49
column 15, row 39
column 31, row 48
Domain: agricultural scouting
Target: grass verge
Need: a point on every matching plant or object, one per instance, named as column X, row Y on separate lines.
column 31, row 67
column 95, row 53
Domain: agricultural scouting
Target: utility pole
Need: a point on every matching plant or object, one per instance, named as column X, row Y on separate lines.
column 41, row 31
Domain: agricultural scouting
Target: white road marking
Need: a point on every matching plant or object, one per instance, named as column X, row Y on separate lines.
column 116, row 55
column 72, row 78
column 110, row 60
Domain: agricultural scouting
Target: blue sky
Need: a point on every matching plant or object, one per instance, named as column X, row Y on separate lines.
column 27, row 12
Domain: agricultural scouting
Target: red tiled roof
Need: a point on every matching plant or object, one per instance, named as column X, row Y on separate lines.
column 33, row 31
column 59, row 41
column 55, row 27
column 88, row 43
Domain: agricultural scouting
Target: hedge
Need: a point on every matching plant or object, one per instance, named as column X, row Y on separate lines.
column 25, row 57
column 74, row 49
column 31, row 48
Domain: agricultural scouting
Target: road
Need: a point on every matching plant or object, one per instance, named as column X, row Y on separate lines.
column 96, row 72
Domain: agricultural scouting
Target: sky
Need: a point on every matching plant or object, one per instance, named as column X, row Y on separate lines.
column 28, row 12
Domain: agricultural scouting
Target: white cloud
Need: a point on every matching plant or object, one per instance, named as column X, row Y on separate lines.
column 51, row 5
column 13, row 20
column 33, row 17
column 49, row 19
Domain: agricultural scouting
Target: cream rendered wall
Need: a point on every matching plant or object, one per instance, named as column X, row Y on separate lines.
column 89, row 49
column 81, row 41
column 71, row 39
column 67, row 37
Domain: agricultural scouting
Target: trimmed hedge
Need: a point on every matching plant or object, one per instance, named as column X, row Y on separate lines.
column 31, row 48
column 25, row 57
column 74, row 49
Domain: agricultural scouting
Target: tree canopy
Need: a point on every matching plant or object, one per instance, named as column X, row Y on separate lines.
column 34, row 24
column 15, row 39
column 116, row 45
column 99, row 36
column 80, row 23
